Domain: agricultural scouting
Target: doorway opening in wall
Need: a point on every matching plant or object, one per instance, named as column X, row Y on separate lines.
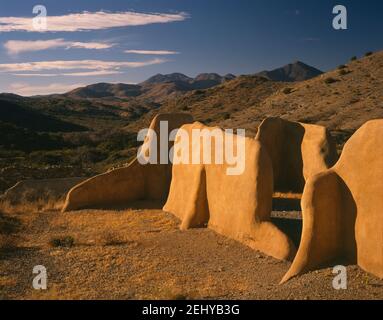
column 287, row 214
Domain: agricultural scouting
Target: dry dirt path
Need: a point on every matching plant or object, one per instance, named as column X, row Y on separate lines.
column 141, row 254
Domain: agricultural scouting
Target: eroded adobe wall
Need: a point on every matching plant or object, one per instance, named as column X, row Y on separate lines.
column 135, row 182
column 298, row 151
column 342, row 208
column 237, row 206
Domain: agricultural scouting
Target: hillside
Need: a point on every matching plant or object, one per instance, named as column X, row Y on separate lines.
column 104, row 90
column 341, row 99
column 217, row 105
column 25, row 117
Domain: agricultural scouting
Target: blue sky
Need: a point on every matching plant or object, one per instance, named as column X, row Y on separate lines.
column 123, row 41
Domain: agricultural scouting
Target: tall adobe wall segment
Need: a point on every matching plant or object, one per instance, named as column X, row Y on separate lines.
column 342, row 208
column 298, row 151
column 237, row 206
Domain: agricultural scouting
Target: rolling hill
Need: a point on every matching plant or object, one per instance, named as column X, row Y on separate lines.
column 105, row 90
column 24, row 117
column 157, row 88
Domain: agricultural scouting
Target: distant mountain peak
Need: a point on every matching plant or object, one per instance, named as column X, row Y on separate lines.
column 292, row 72
column 208, row 76
column 162, row 78
column 105, row 90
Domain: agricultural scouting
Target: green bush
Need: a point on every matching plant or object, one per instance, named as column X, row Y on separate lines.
column 354, row 58
column 369, row 53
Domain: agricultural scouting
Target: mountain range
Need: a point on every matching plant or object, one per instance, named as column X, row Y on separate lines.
column 163, row 86
column 157, row 88
column 295, row 91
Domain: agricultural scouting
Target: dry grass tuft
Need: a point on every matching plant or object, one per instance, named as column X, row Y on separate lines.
column 8, row 244
column 64, row 242
column 109, row 238
column 38, row 205
column 8, row 227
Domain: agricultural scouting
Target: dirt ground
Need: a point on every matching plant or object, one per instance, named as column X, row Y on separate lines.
column 141, row 254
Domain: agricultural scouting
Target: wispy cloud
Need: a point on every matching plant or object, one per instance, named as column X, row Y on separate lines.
column 86, row 21
column 152, row 52
column 70, row 74
column 310, row 39
column 96, row 65
column 92, row 73
column 17, row 46
column 25, row 89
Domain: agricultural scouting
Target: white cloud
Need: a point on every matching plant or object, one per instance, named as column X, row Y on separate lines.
column 35, row 74
column 92, row 73
column 71, row 74
column 16, row 46
column 152, row 52
column 98, row 65
column 25, row 89
column 89, row 21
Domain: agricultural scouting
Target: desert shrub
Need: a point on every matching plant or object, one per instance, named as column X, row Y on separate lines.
column 353, row 58
column 118, row 141
column 81, row 138
column 369, row 53
column 66, row 242
column 343, row 72
column 109, row 238
column 226, row 116
column 170, row 293
column 91, row 155
column 8, row 225
column 342, row 66
column 287, row 90
column 119, row 157
column 18, row 138
column 330, row 80
column 217, row 105
column 47, row 157
column 8, row 244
